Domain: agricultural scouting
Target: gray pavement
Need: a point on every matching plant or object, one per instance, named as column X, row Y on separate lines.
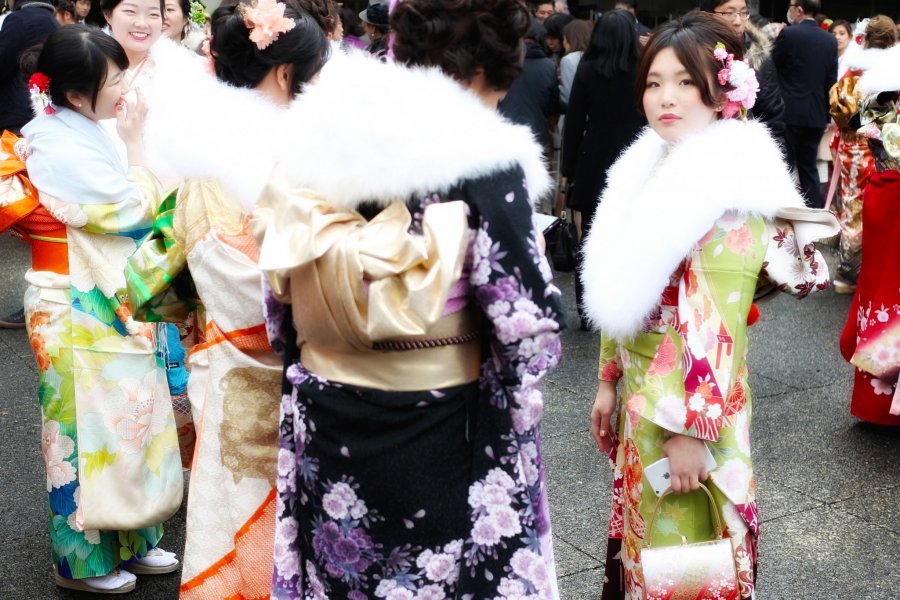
column 829, row 487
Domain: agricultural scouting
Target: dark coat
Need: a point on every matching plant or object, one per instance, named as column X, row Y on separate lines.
column 31, row 23
column 769, row 107
column 602, row 120
column 806, row 60
column 534, row 95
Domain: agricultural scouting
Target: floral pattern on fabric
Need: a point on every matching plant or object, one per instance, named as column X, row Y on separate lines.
column 201, row 239
column 871, row 337
column 477, row 525
column 686, row 374
column 87, row 347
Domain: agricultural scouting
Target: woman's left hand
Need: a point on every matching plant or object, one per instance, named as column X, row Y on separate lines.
column 687, row 462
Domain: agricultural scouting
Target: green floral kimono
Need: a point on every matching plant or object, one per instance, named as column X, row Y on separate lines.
column 686, row 374
column 682, row 234
column 92, row 354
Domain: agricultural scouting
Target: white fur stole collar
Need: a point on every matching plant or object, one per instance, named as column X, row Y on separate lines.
column 198, row 126
column 881, row 69
column 372, row 131
column 366, row 131
column 656, row 206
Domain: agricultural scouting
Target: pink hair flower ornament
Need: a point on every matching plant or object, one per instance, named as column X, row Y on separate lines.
column 266, row 21
column 739, row 80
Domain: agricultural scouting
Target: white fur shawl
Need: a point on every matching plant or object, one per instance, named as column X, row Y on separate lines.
column 198, row 126
column 656, row 206
column 366, row 131
column 881, row 69
column 370, row 131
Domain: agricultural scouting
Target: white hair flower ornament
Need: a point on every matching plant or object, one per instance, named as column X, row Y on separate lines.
column 739, row 80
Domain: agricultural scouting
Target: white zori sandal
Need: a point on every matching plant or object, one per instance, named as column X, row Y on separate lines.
column 116, row 582
column 155, row 562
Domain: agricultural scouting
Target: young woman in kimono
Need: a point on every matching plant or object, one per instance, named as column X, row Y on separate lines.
column 203, row 254
column 871, row 337
column 853, row 158
column 407, row 275
column 688, row 221
column 137, row 25
column 91, row 354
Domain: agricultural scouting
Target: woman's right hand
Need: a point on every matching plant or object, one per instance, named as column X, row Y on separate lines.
column 131, row 112
column 687, row 462
column 601, row 415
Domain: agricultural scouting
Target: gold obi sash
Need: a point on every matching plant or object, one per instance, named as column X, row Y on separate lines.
column 368, row 297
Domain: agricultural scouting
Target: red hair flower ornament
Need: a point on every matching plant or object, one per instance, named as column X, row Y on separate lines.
column 739, row 80
column 39, row 87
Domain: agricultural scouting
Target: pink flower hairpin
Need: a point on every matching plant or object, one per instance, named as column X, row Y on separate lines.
column 740, row 77
column 266, row 21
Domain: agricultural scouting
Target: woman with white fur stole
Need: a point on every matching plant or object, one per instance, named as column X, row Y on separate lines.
column 202, row 257
column 694, row 212
column 407, row 276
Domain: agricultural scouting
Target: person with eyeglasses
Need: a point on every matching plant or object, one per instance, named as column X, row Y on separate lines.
column 769, row 106
column 806, row 59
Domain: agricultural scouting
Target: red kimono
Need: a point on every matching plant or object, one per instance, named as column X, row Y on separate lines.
column 871, row 337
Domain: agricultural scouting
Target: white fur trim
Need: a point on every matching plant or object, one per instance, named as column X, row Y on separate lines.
column 881, row 69
column 656, row 207
column 198, row 126
column 332, row 138
column 372, row 131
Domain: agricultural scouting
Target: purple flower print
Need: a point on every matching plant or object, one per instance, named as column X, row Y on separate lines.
column 347, row 553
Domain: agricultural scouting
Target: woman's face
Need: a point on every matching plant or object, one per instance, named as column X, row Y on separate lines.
column 136, row 24
column 108, row 96
column 174, row 21
column 842, row 36
column 672, row 100
column 82, row 8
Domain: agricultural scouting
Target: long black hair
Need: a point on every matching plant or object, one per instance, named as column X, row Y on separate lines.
column 240, row 62
column 614, row 44
column 76, row 59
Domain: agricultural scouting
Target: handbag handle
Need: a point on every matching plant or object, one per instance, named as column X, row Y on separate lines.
column 717, row 522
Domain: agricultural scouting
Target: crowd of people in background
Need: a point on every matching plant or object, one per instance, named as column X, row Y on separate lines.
column 348, row 359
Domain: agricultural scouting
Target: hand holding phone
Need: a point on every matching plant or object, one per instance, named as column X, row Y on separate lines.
column 660, row 476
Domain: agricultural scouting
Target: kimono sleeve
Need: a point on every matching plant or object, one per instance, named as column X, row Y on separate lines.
column 159, row 284
column 795, row 267
column 89, row 192
column 512, row 283
column 610, row 368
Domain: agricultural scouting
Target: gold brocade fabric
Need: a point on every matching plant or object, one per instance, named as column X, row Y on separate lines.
column 843, row 99
column 353, row 283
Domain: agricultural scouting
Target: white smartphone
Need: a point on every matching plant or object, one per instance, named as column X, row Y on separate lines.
column 660, row 478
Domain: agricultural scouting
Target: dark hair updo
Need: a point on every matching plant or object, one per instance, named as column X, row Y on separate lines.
column 462, row 36
column 323, row 12
column 75, row 59
column 693, row 38
column 240, row 62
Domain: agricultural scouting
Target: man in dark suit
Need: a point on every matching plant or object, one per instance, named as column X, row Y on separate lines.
column 806, row 59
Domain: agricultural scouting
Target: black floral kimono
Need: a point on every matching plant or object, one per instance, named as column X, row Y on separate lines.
column 395, row 490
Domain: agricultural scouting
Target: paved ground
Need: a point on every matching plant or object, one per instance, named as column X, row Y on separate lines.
column 829, row 486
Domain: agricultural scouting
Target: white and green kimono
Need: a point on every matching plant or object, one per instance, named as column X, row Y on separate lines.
column 92, row 354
